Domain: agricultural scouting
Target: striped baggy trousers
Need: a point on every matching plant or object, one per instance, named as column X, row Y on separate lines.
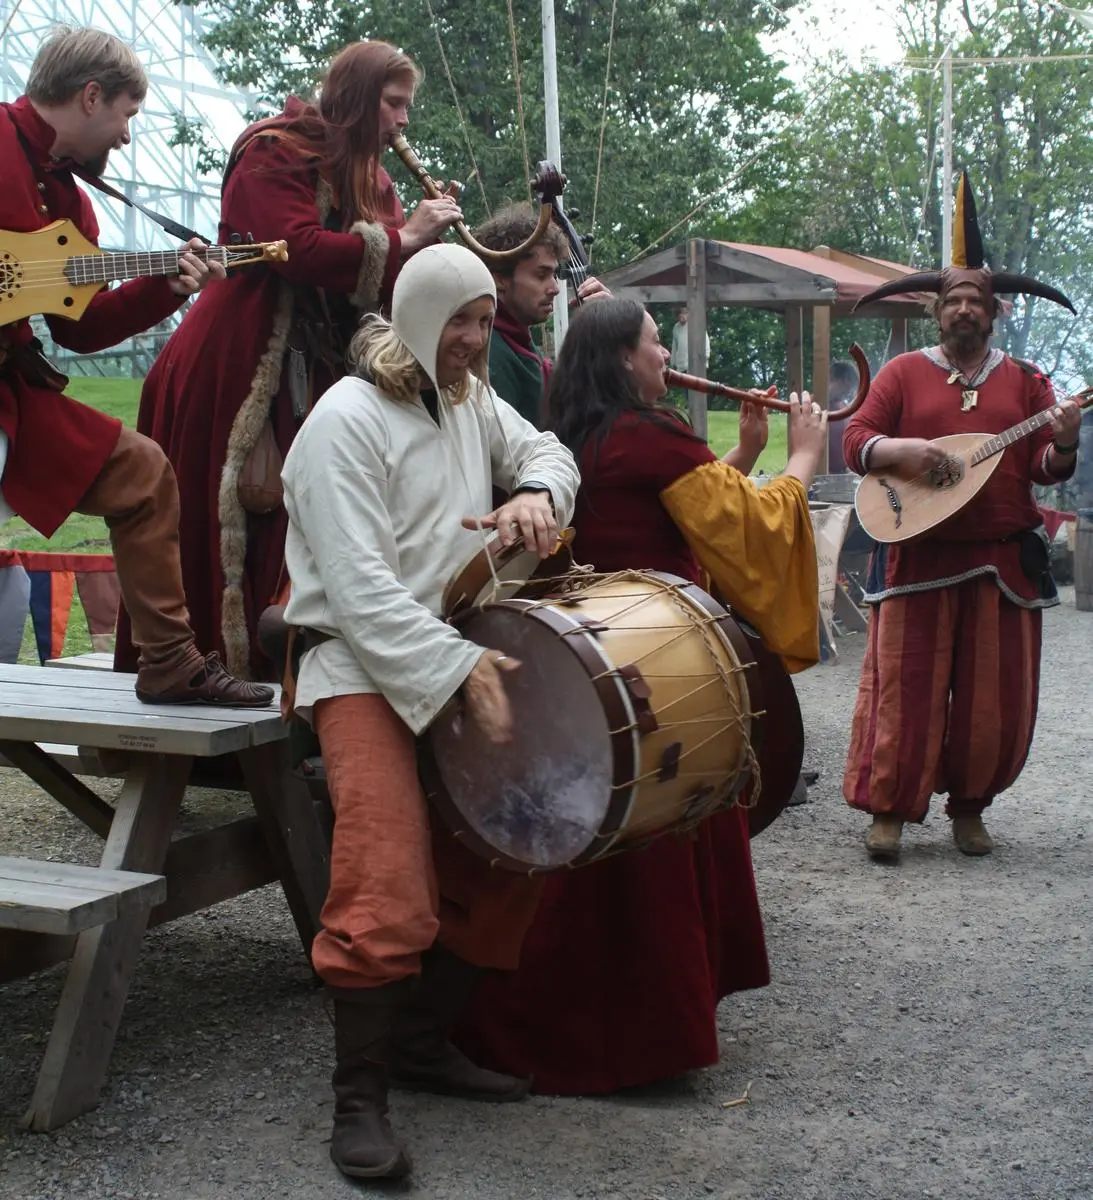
column 947, row 700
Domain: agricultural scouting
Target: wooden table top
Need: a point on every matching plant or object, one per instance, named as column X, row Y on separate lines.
column 101, row 709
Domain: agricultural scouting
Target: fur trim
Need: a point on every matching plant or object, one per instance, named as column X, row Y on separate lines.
column 377, row 246
column 245, row 429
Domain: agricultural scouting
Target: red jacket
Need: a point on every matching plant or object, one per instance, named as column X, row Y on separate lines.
column 58, row 445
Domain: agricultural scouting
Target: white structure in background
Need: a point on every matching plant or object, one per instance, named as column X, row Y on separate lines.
column 181, row 81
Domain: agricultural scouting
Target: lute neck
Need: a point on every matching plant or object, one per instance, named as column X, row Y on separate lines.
column 1015, row 433
column 111, row 266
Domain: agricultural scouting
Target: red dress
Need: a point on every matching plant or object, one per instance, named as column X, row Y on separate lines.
column 623, row 967
column 58, row 445
column 229, row 355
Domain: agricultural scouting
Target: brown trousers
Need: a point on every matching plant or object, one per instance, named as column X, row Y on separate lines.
column 137, row 494
column 395, row 886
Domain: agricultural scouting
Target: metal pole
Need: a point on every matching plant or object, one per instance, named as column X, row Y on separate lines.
column 554, row 148
column 947, row 159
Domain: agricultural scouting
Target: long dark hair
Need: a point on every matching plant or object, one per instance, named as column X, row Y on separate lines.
column 589, row 386
column 343, row 125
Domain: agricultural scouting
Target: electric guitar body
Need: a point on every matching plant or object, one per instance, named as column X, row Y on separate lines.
column 56, row 271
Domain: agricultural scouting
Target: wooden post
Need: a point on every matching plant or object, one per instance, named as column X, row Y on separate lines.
column 795, row 367
column 897, row 339
column 696, row 330
column 821, row 366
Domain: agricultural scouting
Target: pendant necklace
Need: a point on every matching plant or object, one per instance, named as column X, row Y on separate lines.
column 969, row 396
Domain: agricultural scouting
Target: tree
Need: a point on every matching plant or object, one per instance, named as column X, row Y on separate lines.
column 867, row 158
column 691, row 93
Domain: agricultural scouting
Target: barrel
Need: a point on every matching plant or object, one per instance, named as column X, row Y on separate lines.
column 1083, row 561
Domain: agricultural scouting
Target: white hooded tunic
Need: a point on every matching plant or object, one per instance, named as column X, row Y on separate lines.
column 376, row 491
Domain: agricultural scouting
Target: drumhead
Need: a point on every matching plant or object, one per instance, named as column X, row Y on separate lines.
column 541, row 798
column 474, row 583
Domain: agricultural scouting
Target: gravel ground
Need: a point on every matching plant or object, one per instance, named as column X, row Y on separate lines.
column 928, row 1033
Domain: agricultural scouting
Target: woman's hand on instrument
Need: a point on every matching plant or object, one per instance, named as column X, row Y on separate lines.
column 193, row 272
column 527, row 515
column 485, row 696
column 428, row 221
column 754, row 426
column 807, row 437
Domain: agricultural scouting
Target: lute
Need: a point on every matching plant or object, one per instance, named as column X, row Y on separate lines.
column 57, row 271
column 893, row 508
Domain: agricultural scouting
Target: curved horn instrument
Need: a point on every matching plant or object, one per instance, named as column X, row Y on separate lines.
column 696, row 384
column 429, row 186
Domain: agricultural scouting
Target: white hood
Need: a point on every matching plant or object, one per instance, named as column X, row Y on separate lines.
column 430, row 289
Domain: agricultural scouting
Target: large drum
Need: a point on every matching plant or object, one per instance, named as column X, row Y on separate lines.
column 637, row 712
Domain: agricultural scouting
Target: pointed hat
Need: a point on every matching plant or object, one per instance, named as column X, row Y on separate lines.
column 967, row 265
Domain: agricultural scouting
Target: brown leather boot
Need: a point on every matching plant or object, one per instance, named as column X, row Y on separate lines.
column 363, row 1145
column 971, row 836
column 137, row 494
column 200, row 681
column 422, row 1059
column 882, row 840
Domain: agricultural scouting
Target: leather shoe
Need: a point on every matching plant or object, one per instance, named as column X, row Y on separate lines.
column 210, row 684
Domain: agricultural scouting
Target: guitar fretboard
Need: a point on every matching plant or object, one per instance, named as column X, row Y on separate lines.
column 1015, row 433
column 111, row 266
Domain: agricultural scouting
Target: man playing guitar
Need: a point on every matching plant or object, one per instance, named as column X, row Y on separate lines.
column 58, row 456
column 950, row 680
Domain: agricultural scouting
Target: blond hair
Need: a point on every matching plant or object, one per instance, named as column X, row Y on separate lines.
column 69, row 59
column 377, row 351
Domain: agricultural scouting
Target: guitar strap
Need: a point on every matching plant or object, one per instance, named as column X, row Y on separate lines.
column 165, row 223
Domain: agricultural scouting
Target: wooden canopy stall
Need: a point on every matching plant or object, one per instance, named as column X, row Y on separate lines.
column 827, row 283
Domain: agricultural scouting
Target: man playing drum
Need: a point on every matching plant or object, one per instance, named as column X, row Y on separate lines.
column 383, row 487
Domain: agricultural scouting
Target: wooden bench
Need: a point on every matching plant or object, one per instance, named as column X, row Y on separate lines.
column 158, row 750
column 65, row 898
column 94, row 660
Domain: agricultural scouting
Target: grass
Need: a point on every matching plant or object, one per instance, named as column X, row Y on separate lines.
column 86, row 535
column 723, row 435
column 121, row 398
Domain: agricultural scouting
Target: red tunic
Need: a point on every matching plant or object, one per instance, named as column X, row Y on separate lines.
column 624, row 965
column 58, row 445
column 212, row 364
column 911, row 398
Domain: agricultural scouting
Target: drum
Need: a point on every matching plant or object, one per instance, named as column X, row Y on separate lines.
column 636, row 713
column 497, row 572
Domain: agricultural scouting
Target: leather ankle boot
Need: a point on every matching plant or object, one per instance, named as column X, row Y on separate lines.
column 882, row 840
column 971, row 836
column 363, row 1145
column 423, row 1059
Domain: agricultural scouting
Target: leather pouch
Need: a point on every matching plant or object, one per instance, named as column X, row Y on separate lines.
column 259, row 488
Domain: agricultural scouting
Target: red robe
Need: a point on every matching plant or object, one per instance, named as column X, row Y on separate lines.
column 209, row 391
column 626, row 960
column 58, row 445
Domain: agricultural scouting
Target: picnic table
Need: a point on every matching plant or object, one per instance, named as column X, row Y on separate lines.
column 158, row 750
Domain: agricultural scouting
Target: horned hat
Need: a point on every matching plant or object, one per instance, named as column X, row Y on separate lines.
column 967, row 265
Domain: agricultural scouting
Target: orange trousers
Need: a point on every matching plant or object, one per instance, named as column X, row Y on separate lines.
column 396, row 886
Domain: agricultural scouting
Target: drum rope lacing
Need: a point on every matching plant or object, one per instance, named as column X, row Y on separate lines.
column 702, row 622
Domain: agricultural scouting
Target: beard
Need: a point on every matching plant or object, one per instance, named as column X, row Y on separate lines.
column 965, row 339
column 96, row 165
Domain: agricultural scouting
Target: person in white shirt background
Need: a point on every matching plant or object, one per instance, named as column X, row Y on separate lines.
column 680, row 353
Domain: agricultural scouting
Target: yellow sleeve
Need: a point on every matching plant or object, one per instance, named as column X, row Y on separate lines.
column 758, row 548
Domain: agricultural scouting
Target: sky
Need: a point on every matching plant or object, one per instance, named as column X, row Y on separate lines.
column 861, row 30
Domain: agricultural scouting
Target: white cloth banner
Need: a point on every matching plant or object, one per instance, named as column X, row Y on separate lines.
column 830, row 523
